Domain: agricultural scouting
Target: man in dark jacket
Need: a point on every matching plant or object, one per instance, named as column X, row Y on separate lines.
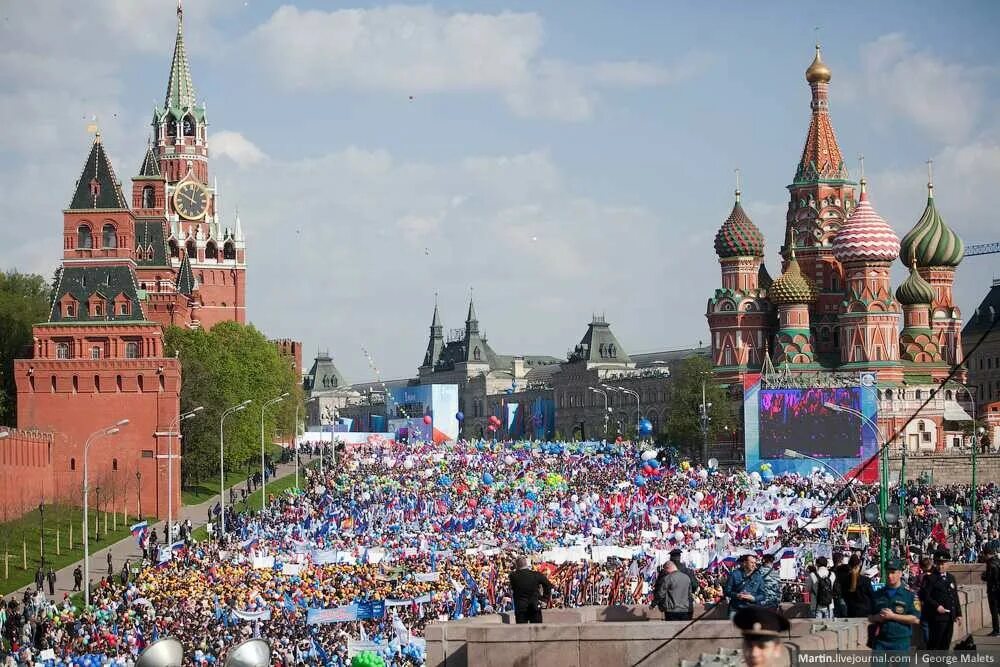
column 745, row 585
column 527, row 588
column 941, row 597
column 675, row 555
column 992, row 579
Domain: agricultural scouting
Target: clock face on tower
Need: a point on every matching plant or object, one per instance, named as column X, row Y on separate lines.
column 191, row 200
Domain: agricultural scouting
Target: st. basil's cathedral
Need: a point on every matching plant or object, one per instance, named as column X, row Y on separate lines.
column 832, row 313
column 129, row 268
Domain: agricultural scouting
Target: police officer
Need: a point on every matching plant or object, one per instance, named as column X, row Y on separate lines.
column 895, row 614
column 762, row 629
column 941, row 599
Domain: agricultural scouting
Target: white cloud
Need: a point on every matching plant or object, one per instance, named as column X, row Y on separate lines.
column 237, row 148
column 414, row 50
column 941, row 98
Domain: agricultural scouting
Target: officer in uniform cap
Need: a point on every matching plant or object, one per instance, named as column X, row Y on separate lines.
column 762, row 630
column 895, row 614
column 942, row 604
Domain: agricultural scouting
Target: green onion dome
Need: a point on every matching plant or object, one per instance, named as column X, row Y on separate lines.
column 915, row 291
column 792, row 286
column 931, row 241
column 738, row 236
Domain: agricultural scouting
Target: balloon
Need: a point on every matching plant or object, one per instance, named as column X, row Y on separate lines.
column 683, row 518
column 645, row 427
column 460, row 416
column 755, row 476
column 648, row 455
column 367, row 659
column 509, row 460
column 679, row 535
column 692, row 483
column 654, row 464
column 427, row 419
column 639, row 481
column 703, row 473
column 685, row 465
column 408, row 464
column 487, row 478
column 699, row 496
column 491, row 428
column 647, row 469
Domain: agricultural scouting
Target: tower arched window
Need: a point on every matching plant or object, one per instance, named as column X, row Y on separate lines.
column 109, row 236
column 114, row 464
column 72, row 464
column 211, row 251
column 148, row 196
column 175, row 249
column 84, row 237
column 171, row 127
column 192, row 249
column 229, row 250
column 189, row 126
column 476, row 354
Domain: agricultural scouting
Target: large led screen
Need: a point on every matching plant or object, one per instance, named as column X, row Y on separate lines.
column 802, row 420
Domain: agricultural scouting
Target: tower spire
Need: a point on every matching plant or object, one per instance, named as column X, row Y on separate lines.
column 930, row 179
column 737, row 193
column 821, row 157
column 180, row 89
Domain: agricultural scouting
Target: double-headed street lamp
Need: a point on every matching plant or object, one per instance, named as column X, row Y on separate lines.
column 222, row 471
column 109, row 430
column 975, row 446
column 263, row 475
column 296, row 441
column 605, row 395
column 883, row 487
column 175, row 426
column 638, row 413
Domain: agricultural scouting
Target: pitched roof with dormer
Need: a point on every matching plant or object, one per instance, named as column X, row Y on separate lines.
column 108, row 282
column 97, row 187
column 599, row 345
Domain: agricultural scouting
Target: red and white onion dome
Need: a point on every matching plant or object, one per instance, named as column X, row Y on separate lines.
column 865, row 236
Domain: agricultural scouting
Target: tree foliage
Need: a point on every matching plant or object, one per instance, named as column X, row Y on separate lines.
column 24, row 301
column 683, row 425
column 222, row 368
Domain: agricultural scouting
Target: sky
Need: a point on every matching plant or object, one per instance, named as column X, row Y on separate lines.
column 554, row 159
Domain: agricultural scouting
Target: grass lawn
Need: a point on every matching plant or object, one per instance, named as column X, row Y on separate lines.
column 23, row 534
column 198, row 493
column 274, row 487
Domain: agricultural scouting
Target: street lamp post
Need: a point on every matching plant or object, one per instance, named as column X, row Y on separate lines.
column 138, row 495
column 41, row 543
column 110, row 430
column 703, row 420
column 306, row 402
column 975, row 446
column 97, row 516
column 883, row 490
column 263, row 475
column 175, row 426
column 605, row 395
column 222, row 470
column 638, row 412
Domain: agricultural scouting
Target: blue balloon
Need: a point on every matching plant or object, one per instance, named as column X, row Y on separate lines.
column 531, row 495
column 460, row 416
column 645, row 427
column 693, row 483
column 487, row 478
column 683, row 518
column 653, row 463
column 639, row 480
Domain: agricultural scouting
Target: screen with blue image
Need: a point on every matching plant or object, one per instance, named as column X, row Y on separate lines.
column 800, row 419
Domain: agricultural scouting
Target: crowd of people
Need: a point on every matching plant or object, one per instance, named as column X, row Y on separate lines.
column 393, row 537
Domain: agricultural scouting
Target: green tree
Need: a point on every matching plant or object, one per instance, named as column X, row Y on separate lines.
column 221, row 368
column 24, row 301
column 683, row 427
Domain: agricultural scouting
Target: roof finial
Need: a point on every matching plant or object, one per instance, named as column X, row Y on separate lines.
column 180, row 12
column 861, row 170
column 791, row 245
column 930, row 179
column 737, row 170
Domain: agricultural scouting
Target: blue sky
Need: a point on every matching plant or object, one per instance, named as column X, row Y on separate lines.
column 559, row 158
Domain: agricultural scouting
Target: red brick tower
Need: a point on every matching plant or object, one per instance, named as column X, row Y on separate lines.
column 99, row 359
column 821, row 198
column 190, row 206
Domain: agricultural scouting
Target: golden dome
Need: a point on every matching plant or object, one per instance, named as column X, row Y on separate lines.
column 818, row 72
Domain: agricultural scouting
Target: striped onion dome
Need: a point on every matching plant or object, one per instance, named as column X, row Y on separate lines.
column 738, row 236
column 792, row 286
column 931, row 241
column 915, row 291
column 865, row 235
